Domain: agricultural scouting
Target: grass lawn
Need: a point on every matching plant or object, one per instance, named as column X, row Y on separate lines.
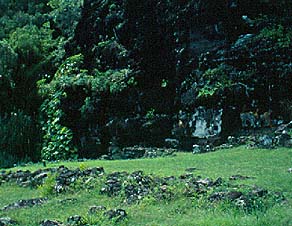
column 268, row 169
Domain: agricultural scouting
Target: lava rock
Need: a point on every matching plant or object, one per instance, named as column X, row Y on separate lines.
column 239, row 177
column 6, row 221
column 25, row 203
column 74, row 220
column 96, row 209
column 50, row 223
column 265, row 142
column 117, row 214
column 171, row 143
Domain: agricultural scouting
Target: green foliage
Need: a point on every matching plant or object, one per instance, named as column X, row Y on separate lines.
column 101, row 219
column 18, row 139
column 8, row 58
column 114, row 81
column 25, row 59
column 279, row 33
column 48, row 187
column 164, row 83
column 150, row 114
column 66, row 14
column 57, row 139
column 215, row 80
column 83, row 166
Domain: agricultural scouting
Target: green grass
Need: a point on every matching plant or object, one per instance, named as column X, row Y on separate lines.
column 268, row 167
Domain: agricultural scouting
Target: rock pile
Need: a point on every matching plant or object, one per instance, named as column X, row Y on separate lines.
column 24, row 203
column 64, row 176
column 134, row 187
column 141, row 152
column 117, row 214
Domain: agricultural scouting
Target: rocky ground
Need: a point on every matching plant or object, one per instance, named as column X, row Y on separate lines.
column 133, row 188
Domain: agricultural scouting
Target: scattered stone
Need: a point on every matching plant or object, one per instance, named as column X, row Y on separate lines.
column 50, row 223
column 6, row 221
column 169, row 179
column 186, row 176
column 191, row 169
column 117, row 214
column 25, row 203
column 113, row 184
column 65, row 177
column 283, row 128
column 96, row 209
column 223, row 146
column 248, row 120
column 138, row 186
column 284, row 139
column 259, row 192
column 265, row 141
column 68, row 200
column 204, row 182
column 231, row 140
column 158, row 152
column 74, row 220
column 164, row 193
column 232, row 195
column 196, row 149
column 239, row 177
column 105, row 157
column 143, row 152
column 198, row 186
column 171, row 143
column 202, row 148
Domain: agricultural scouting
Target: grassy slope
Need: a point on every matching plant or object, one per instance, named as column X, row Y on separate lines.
column 269, row 167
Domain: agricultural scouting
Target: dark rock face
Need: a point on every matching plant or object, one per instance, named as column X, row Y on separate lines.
column 210, row 70
column 151, row 130
column 201, row 123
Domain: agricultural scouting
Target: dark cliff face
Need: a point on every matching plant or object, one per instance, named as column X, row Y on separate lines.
column 230, row 55
column 124, row 72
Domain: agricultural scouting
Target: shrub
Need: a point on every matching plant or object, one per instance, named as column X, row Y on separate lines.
column 18, row 139
column 48, row 187
column 57, row 139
